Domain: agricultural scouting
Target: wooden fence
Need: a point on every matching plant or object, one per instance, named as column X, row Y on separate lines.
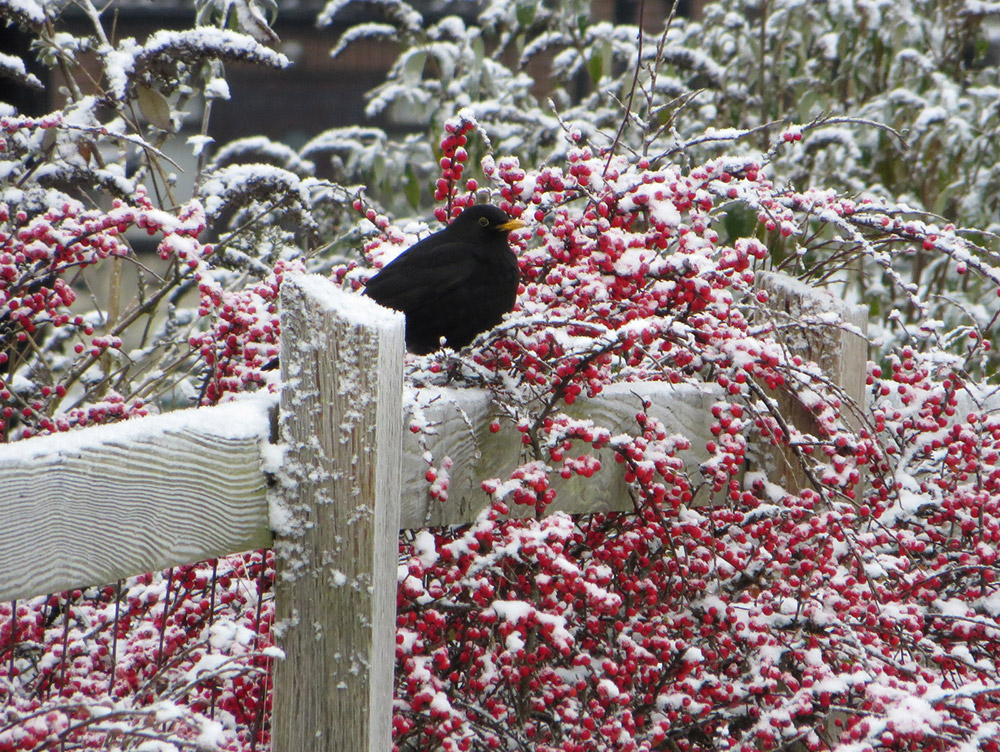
column 329, row 491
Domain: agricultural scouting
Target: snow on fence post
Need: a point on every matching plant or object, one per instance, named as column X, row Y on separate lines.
column 336, row 519
column 819, row 327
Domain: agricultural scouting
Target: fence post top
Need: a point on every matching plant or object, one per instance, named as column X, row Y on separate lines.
column 319, row 290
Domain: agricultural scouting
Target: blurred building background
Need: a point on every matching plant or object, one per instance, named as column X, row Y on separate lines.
column 317, row 92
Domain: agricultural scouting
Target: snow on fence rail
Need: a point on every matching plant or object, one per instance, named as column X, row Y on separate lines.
column 97, row 505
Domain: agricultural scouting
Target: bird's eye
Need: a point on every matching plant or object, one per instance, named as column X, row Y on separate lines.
column 484, row 221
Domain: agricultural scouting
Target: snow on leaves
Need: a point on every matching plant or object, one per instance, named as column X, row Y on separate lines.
column 158, row 56
column 25, row 12
column 13, row 68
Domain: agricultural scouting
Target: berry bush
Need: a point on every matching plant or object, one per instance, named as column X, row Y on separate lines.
column 724, row 612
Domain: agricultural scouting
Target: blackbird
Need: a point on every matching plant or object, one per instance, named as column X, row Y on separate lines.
column 453, row 284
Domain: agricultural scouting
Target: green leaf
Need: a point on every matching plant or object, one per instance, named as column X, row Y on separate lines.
column 810, row 105
column 526, row 14
column 411, row 189
column 595, row 65
column 739, row 221
column 154, row 107
column 49, row 139
column 413, row 68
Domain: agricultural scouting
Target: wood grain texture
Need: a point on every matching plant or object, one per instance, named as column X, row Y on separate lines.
column 461, row 420
column 815, row 325
column 820, row 327
column 341, row 420
column 166, row 490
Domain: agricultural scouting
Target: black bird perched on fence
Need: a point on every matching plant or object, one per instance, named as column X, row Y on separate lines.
column 453, row 284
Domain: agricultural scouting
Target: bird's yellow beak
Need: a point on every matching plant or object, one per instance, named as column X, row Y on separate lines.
column 514, row 224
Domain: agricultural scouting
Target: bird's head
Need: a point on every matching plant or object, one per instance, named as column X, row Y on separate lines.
column 485, row 217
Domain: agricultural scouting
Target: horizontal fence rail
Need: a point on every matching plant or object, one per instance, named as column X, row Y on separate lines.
column 194, row 487
column 191, row 485
column 93, row 506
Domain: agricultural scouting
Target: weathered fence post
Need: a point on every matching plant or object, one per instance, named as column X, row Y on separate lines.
column 336, row 519
column 819, row 327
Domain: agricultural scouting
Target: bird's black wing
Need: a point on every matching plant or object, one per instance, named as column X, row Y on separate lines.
column 422, row 274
